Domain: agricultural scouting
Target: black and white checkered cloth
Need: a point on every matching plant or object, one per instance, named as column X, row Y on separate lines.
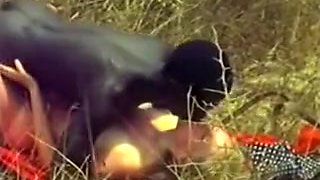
column 279, row 160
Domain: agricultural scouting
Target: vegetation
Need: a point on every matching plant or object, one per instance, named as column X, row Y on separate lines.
column 274, row 46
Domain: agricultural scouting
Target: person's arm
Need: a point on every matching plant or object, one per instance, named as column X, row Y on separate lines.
column 43, row 137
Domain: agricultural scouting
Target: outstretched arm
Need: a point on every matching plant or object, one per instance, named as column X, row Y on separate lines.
column 4, row 100
column 44, row 141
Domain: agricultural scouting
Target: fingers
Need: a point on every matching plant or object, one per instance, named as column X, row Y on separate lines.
column 20, row 67
column 8, row 72
column 13, row 75
column 20, row 75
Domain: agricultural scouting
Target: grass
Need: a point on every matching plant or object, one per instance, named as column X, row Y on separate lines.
column 274, row 46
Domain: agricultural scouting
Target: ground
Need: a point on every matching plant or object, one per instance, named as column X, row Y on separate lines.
column 274, row 46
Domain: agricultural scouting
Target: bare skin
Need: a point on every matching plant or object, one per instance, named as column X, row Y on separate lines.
column 17, row 130
column 185, row 142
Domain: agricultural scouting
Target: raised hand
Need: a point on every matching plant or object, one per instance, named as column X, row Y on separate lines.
column 43, row 140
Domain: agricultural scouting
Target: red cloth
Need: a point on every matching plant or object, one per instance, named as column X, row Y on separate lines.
column 21, row 165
